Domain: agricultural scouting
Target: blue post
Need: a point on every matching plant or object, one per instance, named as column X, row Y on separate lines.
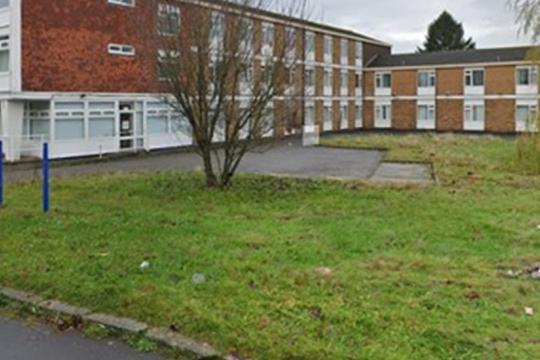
column 1, row 173
column 45, row 178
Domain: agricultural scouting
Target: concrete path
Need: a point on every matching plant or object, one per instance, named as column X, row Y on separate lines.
column 288, row 158
column 39, row 342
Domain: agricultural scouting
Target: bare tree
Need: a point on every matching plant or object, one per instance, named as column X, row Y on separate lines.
column 528, row 16
column 232, row 76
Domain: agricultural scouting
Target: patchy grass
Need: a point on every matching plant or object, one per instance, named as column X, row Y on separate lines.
column 415, row 272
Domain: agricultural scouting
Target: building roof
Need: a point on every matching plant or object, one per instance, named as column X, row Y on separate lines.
column 294, row 20
column 495, row 55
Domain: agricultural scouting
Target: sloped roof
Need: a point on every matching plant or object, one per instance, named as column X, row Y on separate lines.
column 494, row 55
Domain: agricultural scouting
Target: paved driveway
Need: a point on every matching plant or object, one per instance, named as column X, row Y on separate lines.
column 285, row 158
column 39, row 342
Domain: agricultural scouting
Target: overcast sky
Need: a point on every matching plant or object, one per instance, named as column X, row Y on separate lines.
column 404, row 23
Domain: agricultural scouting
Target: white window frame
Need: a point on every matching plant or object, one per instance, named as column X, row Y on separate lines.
column 532, row 87
column 473, row 89
column 328, row 76
column 5, row 47
column 359, row 53
column 469, row 121
column 383, row 114
column 531, row 123
column 344, row 85
column 328, row 116
column 344, row 115
column 267, row 39
column 344, row 51
column 127, row 3
column 328, row 49
column 358, row 115
column 309, row 113
column 431, row 109
column 358, row 78
column 309, row 50
column 167, row 10
column 121, row 49
column 309, row 88
column 380, row 88
column 428, row 89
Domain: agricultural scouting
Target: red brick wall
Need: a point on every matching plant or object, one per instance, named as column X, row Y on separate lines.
column 404, row 82
column 450, row 115
column 65, row 47
column 369, row 114
column 500, row 116
column 500, row 80
column 450, row 81
column 404, row 114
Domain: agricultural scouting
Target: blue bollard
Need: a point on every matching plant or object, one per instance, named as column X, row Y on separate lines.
column 1, row 173
column 46, row 178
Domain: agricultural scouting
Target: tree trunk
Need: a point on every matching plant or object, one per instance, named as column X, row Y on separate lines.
column 211, row 178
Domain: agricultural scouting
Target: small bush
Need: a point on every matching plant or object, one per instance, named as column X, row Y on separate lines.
column 528, row 150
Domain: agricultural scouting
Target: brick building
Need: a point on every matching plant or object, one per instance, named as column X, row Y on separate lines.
column 488, row 90
column 75, row 73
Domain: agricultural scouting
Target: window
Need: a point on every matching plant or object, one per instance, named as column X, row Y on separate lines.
column 130, row 3
column 358, row 81
column 328, row 49
column 290, row 43
column 344, row 82
column 69, row 120
column 125, row 50
column 426, row 79
column 474, row 77
column 358, row 53
column 268, row 35
column 310, row 78
column 327, row 79
column 474, row 113
column 526, row 117
column 527, row 76
column 383, row 112
column 383, row 80
column 4, row 53
column 310, row 114
column 426, row 113
column 310, row 46
column 344, row 51
column 169, row 19
column 166, row 64
column 246, row 36
column 358, row 112
column 327, row 119
column 344, row 112
column 101, row 119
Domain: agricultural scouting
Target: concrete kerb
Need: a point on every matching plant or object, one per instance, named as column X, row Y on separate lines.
column 163, row 336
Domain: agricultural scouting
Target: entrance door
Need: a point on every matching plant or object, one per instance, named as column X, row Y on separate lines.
column 127, row 130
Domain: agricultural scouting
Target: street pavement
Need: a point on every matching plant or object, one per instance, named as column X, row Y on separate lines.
column 20, row 341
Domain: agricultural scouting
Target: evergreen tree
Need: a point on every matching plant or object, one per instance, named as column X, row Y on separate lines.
column 446, row 33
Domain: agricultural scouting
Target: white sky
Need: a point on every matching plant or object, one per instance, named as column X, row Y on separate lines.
column 404, row 23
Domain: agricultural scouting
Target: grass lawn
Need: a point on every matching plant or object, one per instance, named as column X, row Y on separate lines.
column 415, row 272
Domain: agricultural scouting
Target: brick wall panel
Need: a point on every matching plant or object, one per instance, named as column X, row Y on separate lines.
column 404, row 114
column 450, row 115
column 404, row 83
column 369, row 114
column 500, row 80
column 369, row 83
column 500, row 116
column 450, row 81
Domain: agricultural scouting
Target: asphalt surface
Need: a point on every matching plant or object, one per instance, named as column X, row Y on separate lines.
column 286, row 158
column 39, row 342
